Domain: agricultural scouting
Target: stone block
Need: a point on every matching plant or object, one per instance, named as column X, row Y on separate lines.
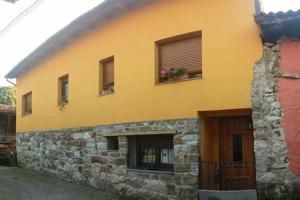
column 98, row 159
column 181, row 168
column 105, row 168
column 119, row 161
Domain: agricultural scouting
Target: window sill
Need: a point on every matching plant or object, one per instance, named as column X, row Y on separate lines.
column 62, row 106
column 178, row 81
column 27, row 114
column 150, row 171
column 105, row 94
column 112, row 151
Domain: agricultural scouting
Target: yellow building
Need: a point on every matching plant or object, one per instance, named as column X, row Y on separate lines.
column 124, row 90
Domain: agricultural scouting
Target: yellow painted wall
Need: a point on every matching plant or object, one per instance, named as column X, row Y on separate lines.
column 231, row 45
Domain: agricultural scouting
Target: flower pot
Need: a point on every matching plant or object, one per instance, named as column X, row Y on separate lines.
column 184, row 76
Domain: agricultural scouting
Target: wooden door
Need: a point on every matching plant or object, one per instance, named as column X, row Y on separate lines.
column 237, row 154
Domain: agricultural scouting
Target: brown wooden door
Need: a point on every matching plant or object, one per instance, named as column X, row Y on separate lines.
column 237, row 154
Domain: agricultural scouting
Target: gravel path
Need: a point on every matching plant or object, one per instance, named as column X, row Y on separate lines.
column 23, row 184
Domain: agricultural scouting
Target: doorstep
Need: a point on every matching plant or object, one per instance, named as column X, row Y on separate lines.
column 227, row 195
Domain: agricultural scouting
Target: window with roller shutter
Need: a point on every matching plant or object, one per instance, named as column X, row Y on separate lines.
column 27, row 104
column 183, row 53
column 107, row 75
column 63, row 90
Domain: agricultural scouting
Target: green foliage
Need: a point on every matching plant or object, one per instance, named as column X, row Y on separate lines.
column 176, row 72
column 8, row 95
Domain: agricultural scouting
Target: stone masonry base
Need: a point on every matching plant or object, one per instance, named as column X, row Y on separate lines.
column 81, row 155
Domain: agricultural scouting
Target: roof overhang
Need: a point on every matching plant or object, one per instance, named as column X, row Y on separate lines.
column 95, row 18
column 7, row 109
column 275, row 26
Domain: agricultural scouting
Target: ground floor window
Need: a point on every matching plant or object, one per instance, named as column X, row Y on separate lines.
column 154, row 152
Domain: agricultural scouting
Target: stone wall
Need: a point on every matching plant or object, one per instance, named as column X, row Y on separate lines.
column 81, row 155
column 274, row 180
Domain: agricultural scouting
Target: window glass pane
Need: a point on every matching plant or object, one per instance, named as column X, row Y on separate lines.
column 153, row 152
column 65, row 90
column 27, row 103
column 112, row 143
column 166, row 156
column 149, row 155
column 108, row 75
column 108, row 72
column 237, row 148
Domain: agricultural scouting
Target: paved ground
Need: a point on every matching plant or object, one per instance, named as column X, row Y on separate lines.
column 22, row 184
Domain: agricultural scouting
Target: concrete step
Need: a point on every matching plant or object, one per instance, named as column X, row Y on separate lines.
column 227, row 195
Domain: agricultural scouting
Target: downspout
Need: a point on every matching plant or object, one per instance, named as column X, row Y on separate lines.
column 258, row 10
column 10, row 82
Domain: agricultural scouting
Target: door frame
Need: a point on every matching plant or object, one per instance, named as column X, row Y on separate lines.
column 204, row 117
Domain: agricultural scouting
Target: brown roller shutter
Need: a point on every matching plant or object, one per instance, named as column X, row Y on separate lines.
column 108, row 72
column 184, row 53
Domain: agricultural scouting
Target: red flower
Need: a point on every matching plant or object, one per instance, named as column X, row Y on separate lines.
column 164, row 72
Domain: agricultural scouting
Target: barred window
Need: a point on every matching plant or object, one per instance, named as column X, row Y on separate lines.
column 153, row 152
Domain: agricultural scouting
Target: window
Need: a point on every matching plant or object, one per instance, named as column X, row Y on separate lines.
column 63, row 88
column 27, row 103
column 112, row 143
column 180, row 57
column 153, row 152
column 107, row 76
column 237, row 148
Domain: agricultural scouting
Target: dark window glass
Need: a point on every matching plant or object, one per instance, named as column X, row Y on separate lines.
column 153, row 152
column 112, row 143
column 237, row 148
column 27, row 103
column 107, row 76
column 64, row 89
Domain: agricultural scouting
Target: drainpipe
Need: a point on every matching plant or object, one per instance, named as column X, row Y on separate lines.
column 258, row 10
column 10, row 82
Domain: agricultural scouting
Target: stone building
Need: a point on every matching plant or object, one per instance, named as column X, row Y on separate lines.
column 7, row 126
column 276, row 106
column 153, row 99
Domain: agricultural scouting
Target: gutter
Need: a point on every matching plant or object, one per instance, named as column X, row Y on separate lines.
column 10, row 82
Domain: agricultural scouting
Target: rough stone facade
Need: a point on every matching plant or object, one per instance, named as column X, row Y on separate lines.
column 81, row 155
column 274, row 180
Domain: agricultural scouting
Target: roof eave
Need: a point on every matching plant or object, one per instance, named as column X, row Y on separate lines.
column 100, row 15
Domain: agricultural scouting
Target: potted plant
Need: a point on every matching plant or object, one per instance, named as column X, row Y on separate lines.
column 63, row 102
column 164, row 74
column 108, row 89
column 176, row 72
column 173, row 73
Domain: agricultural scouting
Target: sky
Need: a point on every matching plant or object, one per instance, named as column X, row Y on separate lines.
column 46, row 17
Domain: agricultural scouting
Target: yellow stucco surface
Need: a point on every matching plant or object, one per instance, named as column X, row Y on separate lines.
column 231, row 45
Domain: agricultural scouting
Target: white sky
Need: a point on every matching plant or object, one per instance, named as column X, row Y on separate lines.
column 49, row 16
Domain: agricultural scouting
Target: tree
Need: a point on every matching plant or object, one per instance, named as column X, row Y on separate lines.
column 8, row 95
